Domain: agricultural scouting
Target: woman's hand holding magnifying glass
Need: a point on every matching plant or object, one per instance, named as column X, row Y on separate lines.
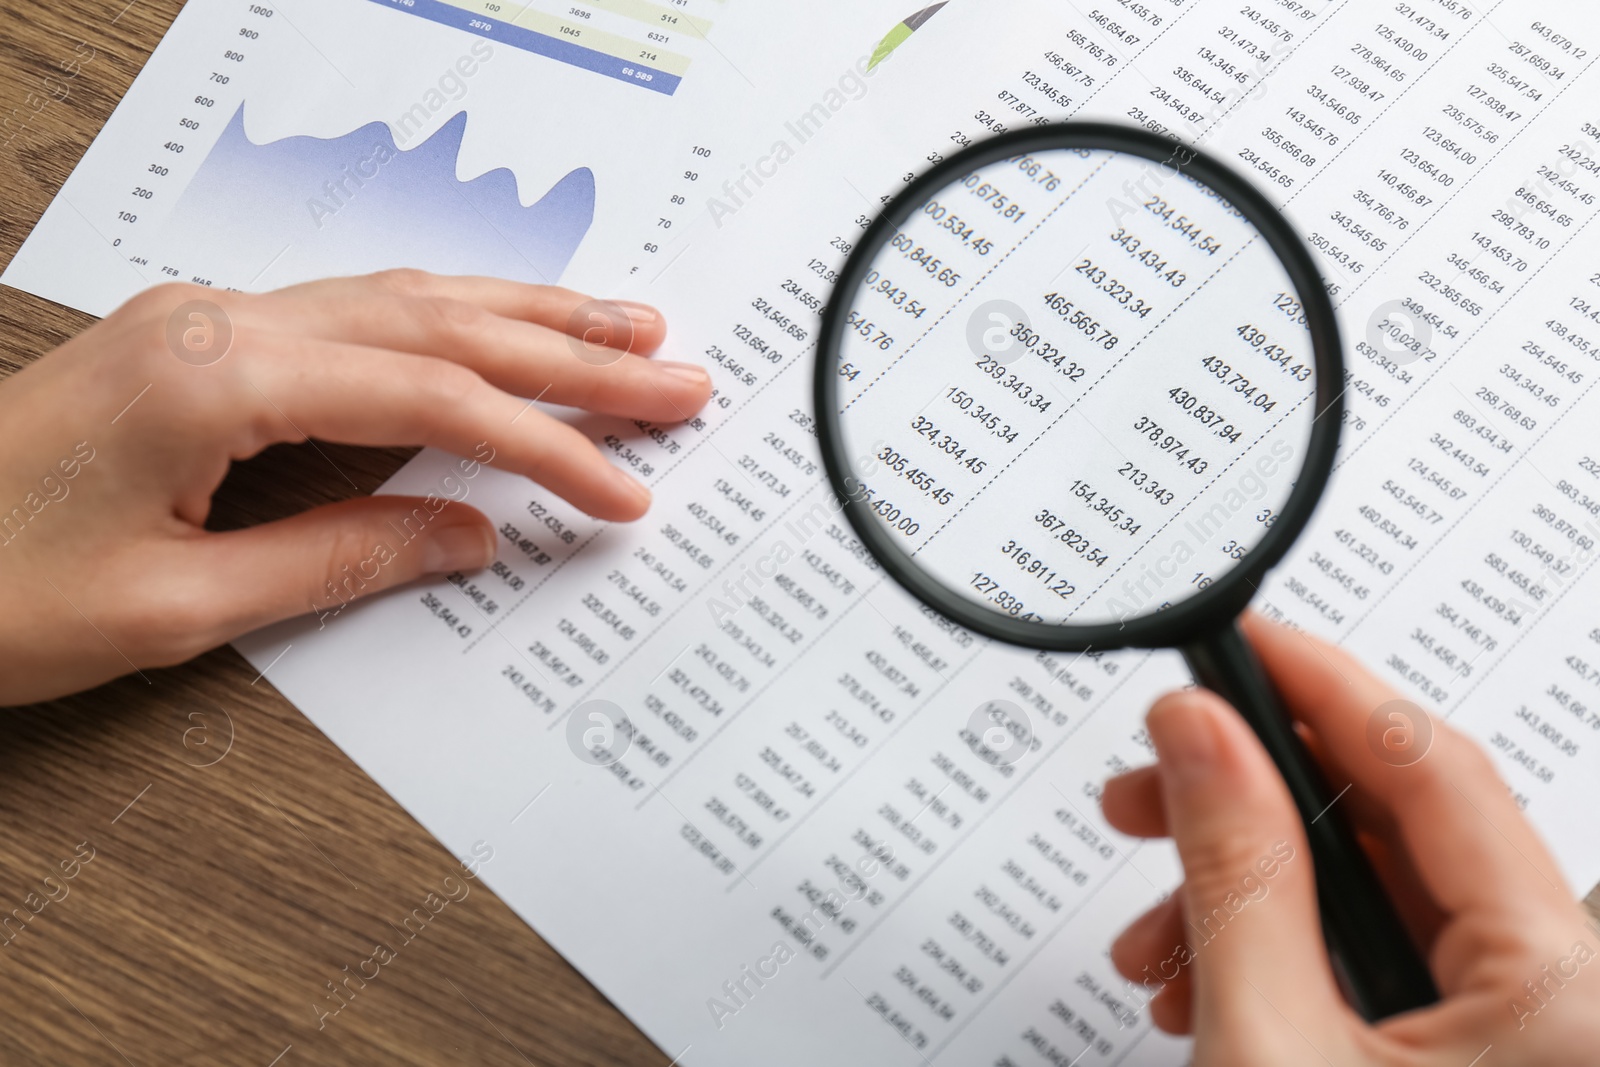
column 1237, row 953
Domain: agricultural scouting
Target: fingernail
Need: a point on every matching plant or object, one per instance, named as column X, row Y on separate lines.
column 632, row 485
column 1186, row 740
column 686, row 371
column 459, row 548
column 639, row 314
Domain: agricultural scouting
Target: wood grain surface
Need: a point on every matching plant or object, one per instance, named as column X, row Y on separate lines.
column 221, row 899
column 240, row 861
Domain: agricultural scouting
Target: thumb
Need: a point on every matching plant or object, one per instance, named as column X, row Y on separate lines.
column 324, row 559
column 1260, row 972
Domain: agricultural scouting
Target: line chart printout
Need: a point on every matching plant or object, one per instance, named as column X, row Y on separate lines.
column 774, row 809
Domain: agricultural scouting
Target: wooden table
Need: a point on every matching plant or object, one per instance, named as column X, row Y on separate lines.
column 221, row 899
column 241, row 861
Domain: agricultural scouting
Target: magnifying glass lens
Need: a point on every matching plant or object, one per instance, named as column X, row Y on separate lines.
column 1075, row 387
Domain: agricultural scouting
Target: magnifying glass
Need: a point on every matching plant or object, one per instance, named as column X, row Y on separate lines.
column 1079, row 387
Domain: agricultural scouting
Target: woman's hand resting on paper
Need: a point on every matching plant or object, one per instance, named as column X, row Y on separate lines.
column 114, row 443
column 1516, row 960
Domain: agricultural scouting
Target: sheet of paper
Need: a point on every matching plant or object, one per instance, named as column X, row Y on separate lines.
column 725, row 767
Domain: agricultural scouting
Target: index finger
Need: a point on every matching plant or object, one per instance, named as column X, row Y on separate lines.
column 368, row 396
column 621, row 324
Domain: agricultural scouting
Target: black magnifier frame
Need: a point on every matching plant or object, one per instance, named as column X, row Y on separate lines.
column 1229, row 592
column 1383, row 972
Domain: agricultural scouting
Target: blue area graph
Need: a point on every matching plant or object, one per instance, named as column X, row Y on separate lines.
column 308, row 207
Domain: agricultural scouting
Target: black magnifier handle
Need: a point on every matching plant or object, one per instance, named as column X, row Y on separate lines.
column 1384, row 972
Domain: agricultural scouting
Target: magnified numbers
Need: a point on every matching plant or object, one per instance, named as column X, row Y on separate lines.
column 1035, row 567
column 1040, row 346
column 1182, row 224
column 1208, row 417
column 986, row 418
column 869, row 330
column 1149, row 257
column 1106, row 508
column 1057, row 528
column 891, row 514
column 959, row 227
column 1004, row 206
column 1241, row 385
column 1147, row 484
column 923, row 480
column 1157, row 435
column 925, row 258
column 885, row 287
column 1003, row 377
column 1008, row 602
column 1042, row 175
column 1085, row 323
column 1121, row 292
column 957, row 451
column 1258, row 339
